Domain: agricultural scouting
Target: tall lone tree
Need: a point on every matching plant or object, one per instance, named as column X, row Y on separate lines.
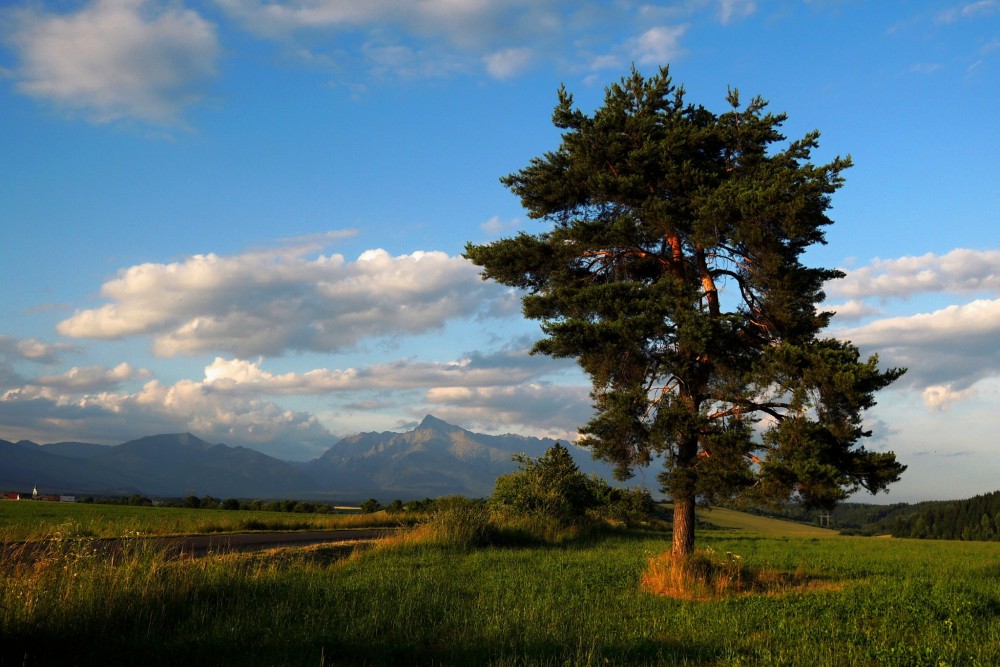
column 671, row 271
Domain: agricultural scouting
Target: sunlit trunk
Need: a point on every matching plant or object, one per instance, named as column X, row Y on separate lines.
column 684, row 520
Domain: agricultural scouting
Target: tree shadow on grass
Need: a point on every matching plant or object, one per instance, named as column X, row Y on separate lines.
column 275, row 651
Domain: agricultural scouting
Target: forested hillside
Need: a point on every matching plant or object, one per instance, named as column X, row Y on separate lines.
column 976, row 518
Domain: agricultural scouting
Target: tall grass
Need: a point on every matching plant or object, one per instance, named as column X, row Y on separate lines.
column 890, row 602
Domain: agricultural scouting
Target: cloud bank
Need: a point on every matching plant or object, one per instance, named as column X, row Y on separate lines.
column 947, row 350
column 115, row 59
column 274, row 301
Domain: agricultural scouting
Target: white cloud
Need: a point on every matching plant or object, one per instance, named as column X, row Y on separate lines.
column 659, row 45
column 969, row 10
column 32, row 349
column 91, row 378
column 955, row 346
column 272, row 301
column 507, row 63
column 474, row 370
column 852, row 310
column 732, row 10
column 656, row 46
column 46, row 414
column 116, row 59
column 961, row 270
column 541, row 409
column 228, row 405
column 495, row 226
column 466, row 23
column 940, row 397
column 426, row 38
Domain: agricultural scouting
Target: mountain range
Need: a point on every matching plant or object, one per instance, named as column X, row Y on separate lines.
column 432, row 460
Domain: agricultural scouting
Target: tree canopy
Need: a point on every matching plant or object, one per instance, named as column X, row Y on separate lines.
column 671, row 270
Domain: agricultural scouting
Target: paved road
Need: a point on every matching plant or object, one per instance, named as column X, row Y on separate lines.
column 200, row 545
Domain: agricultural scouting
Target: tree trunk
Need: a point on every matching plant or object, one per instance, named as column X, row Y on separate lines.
column 684, row 520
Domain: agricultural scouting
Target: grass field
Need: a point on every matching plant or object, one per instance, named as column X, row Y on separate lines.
column 23, row 520
column 875, row 602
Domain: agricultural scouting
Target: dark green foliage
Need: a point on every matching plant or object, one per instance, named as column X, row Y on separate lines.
column 553, row 487
column 371, row 505
column 395, row 506
column 976, row 518
column 670, row 270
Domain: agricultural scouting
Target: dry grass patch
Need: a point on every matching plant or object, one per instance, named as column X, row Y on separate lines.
column 707, row 575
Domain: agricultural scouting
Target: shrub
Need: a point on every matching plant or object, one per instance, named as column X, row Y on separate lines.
column 371, row 505
column 551, row 486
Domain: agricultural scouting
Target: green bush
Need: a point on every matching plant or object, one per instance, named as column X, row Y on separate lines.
column 551, row 486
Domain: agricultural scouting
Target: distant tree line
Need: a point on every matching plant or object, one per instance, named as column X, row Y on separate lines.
column 976, row 518
column 211, row 502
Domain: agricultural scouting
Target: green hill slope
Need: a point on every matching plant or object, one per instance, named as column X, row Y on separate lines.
column 722, row 519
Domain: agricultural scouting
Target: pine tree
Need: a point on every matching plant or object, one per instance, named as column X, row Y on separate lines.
column 671, row 271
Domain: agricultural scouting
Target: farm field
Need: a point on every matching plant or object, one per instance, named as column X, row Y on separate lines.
column 871, row 602
column 24, row 520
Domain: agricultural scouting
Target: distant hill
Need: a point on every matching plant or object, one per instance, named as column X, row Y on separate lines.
column 24, row 465
column 161, row 465
column 434, row 459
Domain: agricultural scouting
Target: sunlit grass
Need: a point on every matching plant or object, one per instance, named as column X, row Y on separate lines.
column 581, row 602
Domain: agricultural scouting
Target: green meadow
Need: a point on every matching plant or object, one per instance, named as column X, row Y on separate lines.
column 858, row 601
column 27, row 520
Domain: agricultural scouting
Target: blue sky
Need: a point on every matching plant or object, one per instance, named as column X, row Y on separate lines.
column 245, row 219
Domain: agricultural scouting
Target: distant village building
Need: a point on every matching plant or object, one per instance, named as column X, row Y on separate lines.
column 34, row 495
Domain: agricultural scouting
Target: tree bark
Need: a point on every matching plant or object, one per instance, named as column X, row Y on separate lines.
column 684, row 520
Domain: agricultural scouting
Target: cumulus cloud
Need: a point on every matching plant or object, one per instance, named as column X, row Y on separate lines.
column 655, row 46
column 955, row 346
column 115, row 59
column 32, row 349
column 46, row 413
column 541, row 409
column 507, row 63
column 659, row 45
column 91, row 378
column 229, row 404
column 852, row 310
column 946, row 350
column 474, row 370
column 940, row 397
column 961, row 271
column 272, row 301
